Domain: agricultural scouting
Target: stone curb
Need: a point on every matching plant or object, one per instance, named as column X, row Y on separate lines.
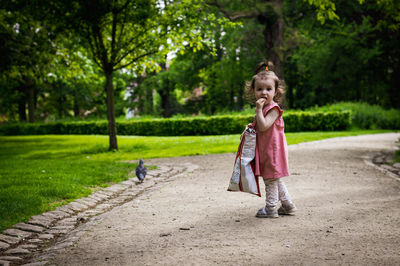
column 20, row 244
column 383, row 161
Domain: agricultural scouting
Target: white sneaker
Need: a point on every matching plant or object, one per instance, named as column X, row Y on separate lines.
column 267, row 213
column 287, row 208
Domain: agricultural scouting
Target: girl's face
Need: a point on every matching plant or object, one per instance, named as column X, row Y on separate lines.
column 265, row 88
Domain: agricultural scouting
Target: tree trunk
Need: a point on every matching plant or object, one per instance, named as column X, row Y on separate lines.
column 148, row 101
column 165, row 95
column 112, row 127
column 76, row 101
column 76, row 106
column 394, row 89
column 145, row 98
column 31, row 102
column 165, row 101
column 60, row 107
column 22, row 109
column 290, row 97
column 273, row 36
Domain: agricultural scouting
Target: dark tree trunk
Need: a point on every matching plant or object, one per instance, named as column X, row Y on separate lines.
column 76, row 102
column 165, row 95
column 60, row 106
column 394, row 89
column 273, row 37
column 145, row 97
column 31, row 103
column 290, row 97
column 22, row 109
column 112, row 127
column 271, row 17
column 240, row 99
column 232, row 99
column 165, row 101
column 141, row 102
column 76, row 106
column 148, row 100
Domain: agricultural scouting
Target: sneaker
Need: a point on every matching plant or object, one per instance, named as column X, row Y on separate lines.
column 287, row 208
column 270, row 213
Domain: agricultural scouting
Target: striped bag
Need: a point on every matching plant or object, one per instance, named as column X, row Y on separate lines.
column 243, row 178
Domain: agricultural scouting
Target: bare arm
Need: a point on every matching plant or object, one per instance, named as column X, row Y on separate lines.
column 263, row 123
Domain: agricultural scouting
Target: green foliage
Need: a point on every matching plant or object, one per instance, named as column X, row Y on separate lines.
column 352, row 59
column 74, row 84
column 213, row 125
column 202, row 65
column 316, row 121
column 332, row 51
column 27, row 48
column 366, row 116
column 218, row 70
column 325, row 9
column 397, row 156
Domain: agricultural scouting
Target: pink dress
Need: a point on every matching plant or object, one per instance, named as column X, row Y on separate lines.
column 271, row 160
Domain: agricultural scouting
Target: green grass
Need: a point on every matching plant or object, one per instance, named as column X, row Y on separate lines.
column 39, row 173
column 397, row 154
column 397, row 157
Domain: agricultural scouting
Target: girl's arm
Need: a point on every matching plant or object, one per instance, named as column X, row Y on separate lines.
column 263, row 123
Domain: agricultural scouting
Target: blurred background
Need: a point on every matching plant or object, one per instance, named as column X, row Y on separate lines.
column 74, row 60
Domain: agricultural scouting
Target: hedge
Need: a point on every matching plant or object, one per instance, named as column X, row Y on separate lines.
column 365, row 116
column 213, row 125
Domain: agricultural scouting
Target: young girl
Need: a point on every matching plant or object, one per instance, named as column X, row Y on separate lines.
column 271, row 160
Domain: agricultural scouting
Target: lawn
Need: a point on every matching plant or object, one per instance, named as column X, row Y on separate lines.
column 39, row 173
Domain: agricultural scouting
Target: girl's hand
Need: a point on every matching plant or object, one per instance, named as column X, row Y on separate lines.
column 260, row 104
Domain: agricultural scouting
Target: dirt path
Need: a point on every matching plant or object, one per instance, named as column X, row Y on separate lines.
column 349, row 213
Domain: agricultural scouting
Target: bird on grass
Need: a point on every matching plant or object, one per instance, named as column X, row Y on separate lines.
column 141, row 171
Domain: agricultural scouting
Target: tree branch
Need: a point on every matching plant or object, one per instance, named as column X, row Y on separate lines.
column 123, row 7
column 135, row 47
column 233, row 16
column 136, row 58
column 94, row 50
column 113, row 32
column 119, row 38
column 127, row 43
column 102, row 51
column 128, row 52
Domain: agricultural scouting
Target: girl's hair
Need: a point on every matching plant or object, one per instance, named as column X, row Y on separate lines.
column 265, row 71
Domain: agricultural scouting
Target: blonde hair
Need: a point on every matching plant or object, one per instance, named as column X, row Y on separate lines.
column 265, row 71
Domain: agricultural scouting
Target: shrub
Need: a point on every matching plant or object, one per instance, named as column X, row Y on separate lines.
column 316, row 121
column 366, row 116
column 191, row 126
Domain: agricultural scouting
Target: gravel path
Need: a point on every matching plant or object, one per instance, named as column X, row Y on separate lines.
column 349, row 213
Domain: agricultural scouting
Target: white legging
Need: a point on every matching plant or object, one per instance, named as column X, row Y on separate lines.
column 275, row 191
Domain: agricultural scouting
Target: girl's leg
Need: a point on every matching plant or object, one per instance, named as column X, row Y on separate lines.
column 271, row 200
column 287, row 207
column 272, row 192
column 283, row 192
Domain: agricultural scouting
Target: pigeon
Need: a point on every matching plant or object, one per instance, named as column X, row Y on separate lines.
column 141, row 171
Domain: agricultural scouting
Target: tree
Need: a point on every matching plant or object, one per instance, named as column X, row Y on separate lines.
column 28, row 47
column 219, row 70
column 122, row 33
column 270, row 15
column 74, row 79
column 351, row 59
column 117, row 33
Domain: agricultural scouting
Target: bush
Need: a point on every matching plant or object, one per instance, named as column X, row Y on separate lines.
column 316, row 121
column 191, row 126
column 366, row 116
